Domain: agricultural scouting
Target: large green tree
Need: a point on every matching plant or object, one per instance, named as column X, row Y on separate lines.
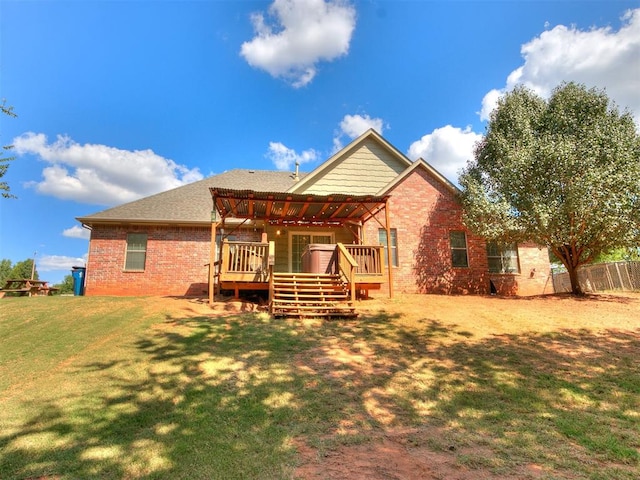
column 562, row 172
column 24, row 269
column 21, row 269
column 4, row 161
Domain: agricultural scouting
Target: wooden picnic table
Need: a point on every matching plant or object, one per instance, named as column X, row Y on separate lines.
column 27, row 287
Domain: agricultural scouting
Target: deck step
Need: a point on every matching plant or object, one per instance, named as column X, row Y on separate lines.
column 310, row 295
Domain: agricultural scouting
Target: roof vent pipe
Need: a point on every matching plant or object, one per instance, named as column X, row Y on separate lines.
column 296, row 177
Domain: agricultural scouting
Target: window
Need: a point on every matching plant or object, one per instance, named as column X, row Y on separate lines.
column 503, row 258
column 299, row 241
column 136, row 251
column 382, row 239
column 459, row 257
column 219, row 237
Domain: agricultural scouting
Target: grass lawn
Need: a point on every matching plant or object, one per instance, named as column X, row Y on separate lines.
column 416, row 387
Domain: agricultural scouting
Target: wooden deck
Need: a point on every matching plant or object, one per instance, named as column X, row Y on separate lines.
column 353, row 268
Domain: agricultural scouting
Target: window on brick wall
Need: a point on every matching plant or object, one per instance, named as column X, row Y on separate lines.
column 382, row 239
column 503, row 258
column 459, row 256
column 136, row 254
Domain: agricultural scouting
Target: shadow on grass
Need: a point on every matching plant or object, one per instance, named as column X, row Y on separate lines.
column 226, row 397
column 566, row 401
column 197, row 398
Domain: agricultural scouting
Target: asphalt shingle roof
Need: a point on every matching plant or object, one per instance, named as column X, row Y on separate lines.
column 192, row 203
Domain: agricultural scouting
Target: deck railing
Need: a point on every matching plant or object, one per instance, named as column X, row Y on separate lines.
column 245, row 261
column 369, row 258
column 249, row 262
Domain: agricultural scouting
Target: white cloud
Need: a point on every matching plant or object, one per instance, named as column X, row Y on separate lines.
column 598, row 57
column 489, row 102
column 48, row 263
column 99, row 174
column 447, row 149
column 353, row 126
column 356, row 125
column 77, row 232
column 296, row 35
column 285, row 158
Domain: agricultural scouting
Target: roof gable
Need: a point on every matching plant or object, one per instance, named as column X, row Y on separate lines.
column 361, row 168
column 422, row 164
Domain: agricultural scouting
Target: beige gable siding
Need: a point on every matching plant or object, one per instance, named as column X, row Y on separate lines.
column 363, row 171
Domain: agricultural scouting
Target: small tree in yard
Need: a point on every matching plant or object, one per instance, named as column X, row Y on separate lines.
column 66, row 286
column 562, row 172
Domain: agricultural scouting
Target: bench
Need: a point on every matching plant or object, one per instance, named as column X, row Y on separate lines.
column 21, row 291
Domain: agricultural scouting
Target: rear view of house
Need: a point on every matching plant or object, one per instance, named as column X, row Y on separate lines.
column 397, row 222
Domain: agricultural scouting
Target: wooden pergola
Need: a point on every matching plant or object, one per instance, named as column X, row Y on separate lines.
column 294, row 209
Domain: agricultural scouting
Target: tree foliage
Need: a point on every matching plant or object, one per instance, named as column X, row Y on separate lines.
column 21, row 269
column 624, row 254
column 562, row 172
column 5, row 271
column 4, row 161
column 66, row 286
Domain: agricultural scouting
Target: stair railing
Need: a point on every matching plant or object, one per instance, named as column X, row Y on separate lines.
column 347, row 267
column 271, row 261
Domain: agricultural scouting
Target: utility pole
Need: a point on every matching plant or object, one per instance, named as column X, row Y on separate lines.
column 33, row 265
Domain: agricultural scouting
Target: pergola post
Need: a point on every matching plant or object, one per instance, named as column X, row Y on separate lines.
column 389, row 256
column 212, row 262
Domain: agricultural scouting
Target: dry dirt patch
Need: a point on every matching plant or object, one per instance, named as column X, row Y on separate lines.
column 391, row 456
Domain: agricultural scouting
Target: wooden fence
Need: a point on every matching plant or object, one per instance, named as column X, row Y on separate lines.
column 602, row 277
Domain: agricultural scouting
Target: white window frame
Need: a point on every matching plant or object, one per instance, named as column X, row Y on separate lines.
column 128, row 250
column 465, row 249
column 382, row 234
column 502, row 256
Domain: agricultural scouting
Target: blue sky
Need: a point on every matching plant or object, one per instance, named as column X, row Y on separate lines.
column 117, row 100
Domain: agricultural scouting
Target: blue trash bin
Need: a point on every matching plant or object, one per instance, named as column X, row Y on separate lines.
column 78, row 280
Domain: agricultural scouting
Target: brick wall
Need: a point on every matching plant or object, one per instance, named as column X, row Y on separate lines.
column 176, row 262
column 424, row 213
column 534, row 277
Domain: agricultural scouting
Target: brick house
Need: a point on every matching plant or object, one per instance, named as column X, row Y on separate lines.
column 361, row 196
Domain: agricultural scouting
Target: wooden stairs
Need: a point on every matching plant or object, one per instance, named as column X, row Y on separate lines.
column 310, row 295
